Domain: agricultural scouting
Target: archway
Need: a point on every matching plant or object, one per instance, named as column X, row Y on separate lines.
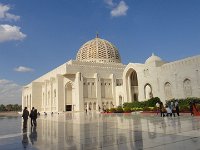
column 187, row 88
column 148, row 91
column 132, row 85
column 94, row 106
column 68, row 97
column 168, row 91
column 120, row 100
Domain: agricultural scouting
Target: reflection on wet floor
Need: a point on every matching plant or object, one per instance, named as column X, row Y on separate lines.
column 102, row 131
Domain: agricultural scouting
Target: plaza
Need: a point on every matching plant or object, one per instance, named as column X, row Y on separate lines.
column 81, row 131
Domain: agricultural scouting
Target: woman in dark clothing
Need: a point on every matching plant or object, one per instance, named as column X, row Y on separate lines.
column 35, row 117
column 32, row 115
column 191, row 108
column 25, row 117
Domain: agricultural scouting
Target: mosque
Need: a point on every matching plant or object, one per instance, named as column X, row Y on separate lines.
column 97, row 79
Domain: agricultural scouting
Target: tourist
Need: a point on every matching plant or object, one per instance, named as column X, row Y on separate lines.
column 99, row 108
column 191, row 108
column 35, row 117
column 157, row 107
column 32, row 115
column 169, row 111
column 173, row 108
column 177, row 107
column 25, row 117
column 162, row 109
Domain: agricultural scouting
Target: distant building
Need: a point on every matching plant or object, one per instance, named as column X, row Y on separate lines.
column 98, row 79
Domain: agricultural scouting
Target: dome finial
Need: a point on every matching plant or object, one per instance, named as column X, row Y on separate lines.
column 153, row 54
column 97, row 35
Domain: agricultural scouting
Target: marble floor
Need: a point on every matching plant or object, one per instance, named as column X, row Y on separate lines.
column 94, row 131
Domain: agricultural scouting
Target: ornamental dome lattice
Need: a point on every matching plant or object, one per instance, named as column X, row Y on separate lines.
column 98, row 50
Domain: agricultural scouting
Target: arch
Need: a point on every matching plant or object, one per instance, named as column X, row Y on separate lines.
column 132, row 84
column 111, row 105
column 120, row 100
column 94, row 106
column 68, row 96
column 90, row 106
column 168, row 91
column 107, row 105
column 187, row 87
column 54, row 98
column 148, row 91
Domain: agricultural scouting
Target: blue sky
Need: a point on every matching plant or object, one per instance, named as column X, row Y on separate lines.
column 37, row 36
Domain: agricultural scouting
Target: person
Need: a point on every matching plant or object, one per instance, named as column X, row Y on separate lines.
column 177, row 107
column 169, row 111
column 35, row 117
column 157, row 107
column 191, row 108
column 86, row 110
column 195, row 110
column 25, row 117
column 172, row 107
column 99, row 108
column 32, row 115
column 162, row 110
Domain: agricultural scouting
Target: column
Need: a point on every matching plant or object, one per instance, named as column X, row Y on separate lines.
column 129, row 90
column 113, row 90
column 60, row 104
column 98, row 91
column 79, row 92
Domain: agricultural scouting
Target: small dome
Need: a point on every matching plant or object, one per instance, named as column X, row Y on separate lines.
column 153, row 58
column 98, row 50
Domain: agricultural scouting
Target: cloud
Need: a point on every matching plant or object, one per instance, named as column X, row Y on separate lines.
column 10, row 92
column 119, row 10
column 5, row 16
column 8, row 33
column 109, row 3
column 23, row 69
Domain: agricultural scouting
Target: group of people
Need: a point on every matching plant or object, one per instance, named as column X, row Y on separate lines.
column 33, row 115
column 170, row 109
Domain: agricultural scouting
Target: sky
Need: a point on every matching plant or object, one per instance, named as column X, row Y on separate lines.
column 38, row 35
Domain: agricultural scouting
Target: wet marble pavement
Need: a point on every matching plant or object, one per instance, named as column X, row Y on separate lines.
column 80, row 131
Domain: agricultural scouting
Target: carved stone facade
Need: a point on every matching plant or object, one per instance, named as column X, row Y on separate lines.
column 98, row 80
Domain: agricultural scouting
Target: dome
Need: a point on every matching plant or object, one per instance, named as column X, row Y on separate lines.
column 98, row 50
column 153, row 58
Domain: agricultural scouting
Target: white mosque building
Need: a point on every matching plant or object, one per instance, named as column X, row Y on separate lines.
column 98, row 79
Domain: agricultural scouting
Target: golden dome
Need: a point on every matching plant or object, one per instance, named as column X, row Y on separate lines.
column 98, row 50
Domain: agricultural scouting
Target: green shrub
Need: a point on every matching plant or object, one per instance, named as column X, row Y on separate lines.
column 112, row 110
column 146, row 109
column 119, row 109
column 184, row 108
column 127, row 109
column 138, row 109
column 107, row 110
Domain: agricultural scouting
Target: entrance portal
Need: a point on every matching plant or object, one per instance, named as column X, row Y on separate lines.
column 68, row 107
column 132, row 85
column 68, row 97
